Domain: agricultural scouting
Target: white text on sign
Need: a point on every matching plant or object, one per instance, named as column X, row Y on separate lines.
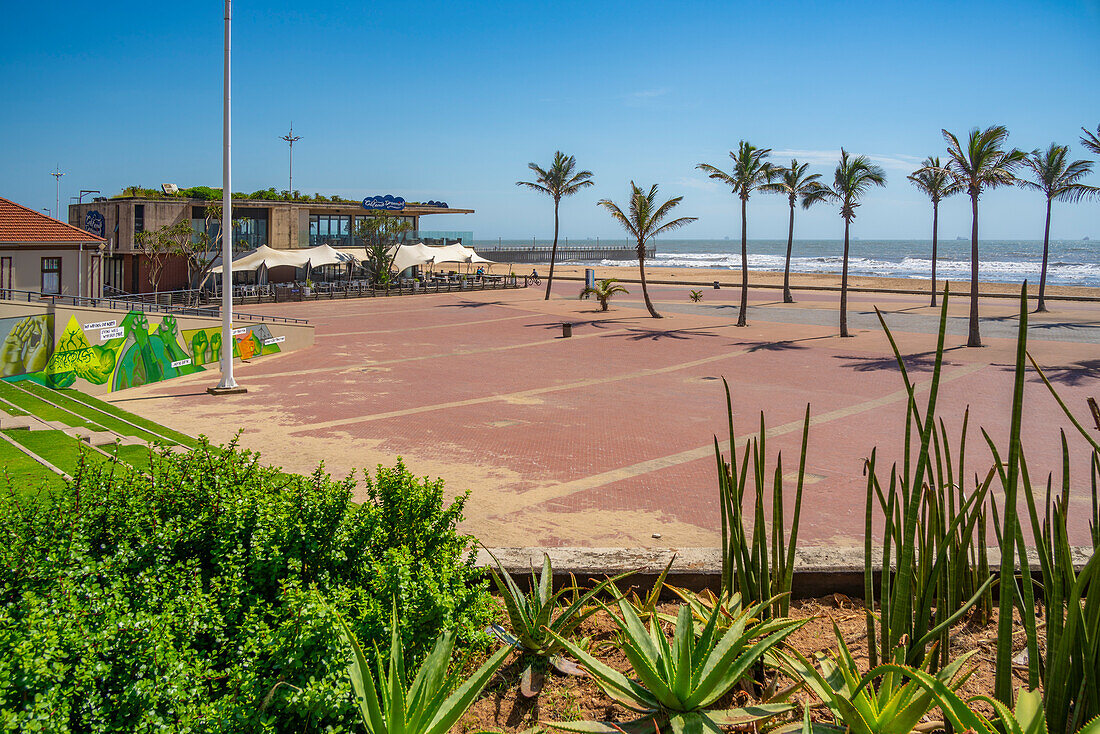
column 113, row 333
column 181, row 363
column 274, row 340
column 100, row 325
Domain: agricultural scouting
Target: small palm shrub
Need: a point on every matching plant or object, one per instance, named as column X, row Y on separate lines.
column 678, row 682
column 696, row 296
column 603, row 291
column 434, row 701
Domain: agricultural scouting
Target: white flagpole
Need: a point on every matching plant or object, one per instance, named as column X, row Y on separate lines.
column 227, row 382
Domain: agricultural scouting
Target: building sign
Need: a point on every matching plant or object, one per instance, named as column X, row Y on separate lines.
column 93, row 222
column 384, row 203
column 438, row 204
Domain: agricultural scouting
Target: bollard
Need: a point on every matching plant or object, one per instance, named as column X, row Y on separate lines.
column 567, row 330
column 716, row 286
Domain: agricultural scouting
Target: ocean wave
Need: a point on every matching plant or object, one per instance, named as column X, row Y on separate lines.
column 1061, row 272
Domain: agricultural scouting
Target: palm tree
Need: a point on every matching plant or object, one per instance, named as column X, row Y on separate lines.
column 603, row 291
column 1058, row 180
column 937, row 184
column 794, row 183
column 1091, row 140
column 982, row 164
column 643, row 222
column 557, row 182
column 750, row 172
column 851, row 180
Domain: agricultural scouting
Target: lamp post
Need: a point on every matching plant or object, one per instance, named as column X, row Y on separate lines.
column 291, row 139
column 57, row 174
column 227, row 385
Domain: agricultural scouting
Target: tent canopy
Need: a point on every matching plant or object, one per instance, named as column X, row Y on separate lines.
column 264, row 256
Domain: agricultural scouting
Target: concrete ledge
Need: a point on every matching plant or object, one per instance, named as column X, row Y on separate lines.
column 818, row 571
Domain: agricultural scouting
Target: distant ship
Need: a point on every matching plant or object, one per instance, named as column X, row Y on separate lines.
column 1085, row 239
column 961, row 239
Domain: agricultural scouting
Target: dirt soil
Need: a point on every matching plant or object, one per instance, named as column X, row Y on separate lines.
column 564, row 698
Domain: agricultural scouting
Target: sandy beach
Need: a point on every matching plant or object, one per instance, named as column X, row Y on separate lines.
column 768, row 279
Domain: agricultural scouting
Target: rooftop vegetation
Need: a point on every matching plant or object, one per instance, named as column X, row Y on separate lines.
column 209, row 193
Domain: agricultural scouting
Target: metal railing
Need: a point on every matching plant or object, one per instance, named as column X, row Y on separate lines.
column 145, row 302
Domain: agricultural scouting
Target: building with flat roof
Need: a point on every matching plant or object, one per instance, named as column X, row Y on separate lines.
column 42, row 255
column 279, row 223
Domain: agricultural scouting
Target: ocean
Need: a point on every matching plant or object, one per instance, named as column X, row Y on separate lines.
column 1072, row 262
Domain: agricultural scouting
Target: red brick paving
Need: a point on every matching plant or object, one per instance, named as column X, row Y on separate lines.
column 604, row 439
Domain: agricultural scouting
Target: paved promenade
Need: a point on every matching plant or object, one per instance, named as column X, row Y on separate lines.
column 606, row 438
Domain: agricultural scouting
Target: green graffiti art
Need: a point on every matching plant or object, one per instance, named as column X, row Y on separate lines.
column 27, row 344
column 132, row 352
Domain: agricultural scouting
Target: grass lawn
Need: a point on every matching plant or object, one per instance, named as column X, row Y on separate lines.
column 43, row 410
column 76, row 402
column 26, row 476
column 113, row 410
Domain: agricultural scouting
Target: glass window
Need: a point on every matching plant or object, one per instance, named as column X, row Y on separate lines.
column 51, row 275
column 139, row 218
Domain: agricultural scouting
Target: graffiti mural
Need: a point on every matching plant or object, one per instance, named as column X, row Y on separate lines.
column 130, row 352
column 27, row 346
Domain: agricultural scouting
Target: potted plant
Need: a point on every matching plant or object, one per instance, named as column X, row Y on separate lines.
column 307, row 289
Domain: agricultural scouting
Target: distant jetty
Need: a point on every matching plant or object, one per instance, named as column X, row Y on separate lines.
column 568, row 253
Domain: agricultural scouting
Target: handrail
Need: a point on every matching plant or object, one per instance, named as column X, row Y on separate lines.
column 121, row 304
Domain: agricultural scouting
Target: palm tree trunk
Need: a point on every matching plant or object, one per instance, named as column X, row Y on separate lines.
column 645, row 290
column 553, row 253
column 787, row 297
column 975, row 337
column 844, row 285
column 742, row 316
column 935, row 231
column 1043, row 273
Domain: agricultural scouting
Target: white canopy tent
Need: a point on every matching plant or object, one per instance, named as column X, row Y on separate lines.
column 326, row 255
column 413, row 255
column 264, row 256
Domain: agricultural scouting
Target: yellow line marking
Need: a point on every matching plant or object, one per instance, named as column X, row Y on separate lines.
column 556, row 491
column 521, row 394
column 455, row 325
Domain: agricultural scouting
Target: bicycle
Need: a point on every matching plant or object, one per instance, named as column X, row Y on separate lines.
column 534, row 280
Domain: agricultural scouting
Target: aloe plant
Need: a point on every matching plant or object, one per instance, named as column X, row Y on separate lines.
column 540, row 621
column 897, row 705
column 758, row 562
column 934, row 531
column 678, row 682
column 434, row 701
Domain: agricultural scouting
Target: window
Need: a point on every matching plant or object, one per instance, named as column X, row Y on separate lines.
column 51, row 275
column 139, row 218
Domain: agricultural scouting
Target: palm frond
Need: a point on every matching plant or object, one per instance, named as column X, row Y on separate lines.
column 1091, row 140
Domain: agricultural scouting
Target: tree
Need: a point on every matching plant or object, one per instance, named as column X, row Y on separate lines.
column 750, row 172
column 557, row 182
column 851, row 180
column 380, row 234
column 201, row 249
column 1091, row 140
column 1058, row 180
column 160, row 245
column 793, row 182
column 983, row 164
column 643, row 222
column 937, row 184
column 603, row 291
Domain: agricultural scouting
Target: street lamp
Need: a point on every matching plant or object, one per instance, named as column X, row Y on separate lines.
column 57, row 174
column 291, row 139
column 228, row 385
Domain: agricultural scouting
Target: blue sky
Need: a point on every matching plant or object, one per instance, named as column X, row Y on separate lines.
column 451, row 100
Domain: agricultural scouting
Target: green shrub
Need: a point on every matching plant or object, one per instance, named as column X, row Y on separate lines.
column 183, row 600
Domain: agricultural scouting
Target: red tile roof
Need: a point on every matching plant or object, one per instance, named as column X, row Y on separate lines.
column 20, row 224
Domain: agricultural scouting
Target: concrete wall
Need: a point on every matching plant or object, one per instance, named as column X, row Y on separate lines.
column 103, row 350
